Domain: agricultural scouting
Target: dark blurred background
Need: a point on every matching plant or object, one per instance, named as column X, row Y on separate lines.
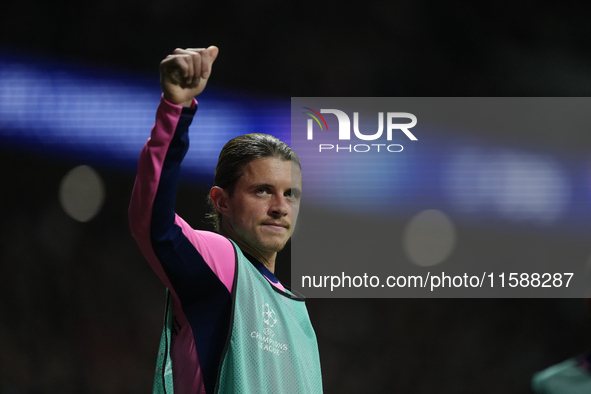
column 81, row 311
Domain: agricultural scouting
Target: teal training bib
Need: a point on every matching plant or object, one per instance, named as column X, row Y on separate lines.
column 272, row 347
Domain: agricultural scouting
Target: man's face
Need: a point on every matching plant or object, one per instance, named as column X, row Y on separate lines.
column 264, row 208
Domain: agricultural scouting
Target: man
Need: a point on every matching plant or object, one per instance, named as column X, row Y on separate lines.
column 230, row 326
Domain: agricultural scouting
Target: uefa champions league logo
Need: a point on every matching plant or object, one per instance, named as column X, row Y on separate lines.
column 270, row 319
column 266, row 341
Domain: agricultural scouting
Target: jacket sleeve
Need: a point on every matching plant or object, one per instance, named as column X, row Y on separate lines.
column 192, row 264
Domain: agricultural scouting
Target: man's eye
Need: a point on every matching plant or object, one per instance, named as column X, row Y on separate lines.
column 261, row 191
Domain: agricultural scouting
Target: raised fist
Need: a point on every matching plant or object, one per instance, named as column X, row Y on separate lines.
column 184, row 73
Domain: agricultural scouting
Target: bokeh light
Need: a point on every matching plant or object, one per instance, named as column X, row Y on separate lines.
column 429, row 238
column 82, row 193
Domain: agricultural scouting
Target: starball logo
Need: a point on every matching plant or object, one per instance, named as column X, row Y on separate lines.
column 345, row 130
column 265, row 340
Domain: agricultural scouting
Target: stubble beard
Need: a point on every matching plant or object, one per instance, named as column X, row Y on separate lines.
column 269, row 246
column 258, row 242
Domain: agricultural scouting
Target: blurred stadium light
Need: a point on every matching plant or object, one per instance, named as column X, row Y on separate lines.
column 82, row 193
column 104, row 118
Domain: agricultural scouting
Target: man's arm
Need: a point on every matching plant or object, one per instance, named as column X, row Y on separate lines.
column 196, row 266
column 167, row 242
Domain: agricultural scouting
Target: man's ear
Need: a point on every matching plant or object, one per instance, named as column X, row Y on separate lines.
column 219, row 198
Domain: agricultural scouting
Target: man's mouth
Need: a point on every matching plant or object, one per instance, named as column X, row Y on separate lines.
column 276, row 226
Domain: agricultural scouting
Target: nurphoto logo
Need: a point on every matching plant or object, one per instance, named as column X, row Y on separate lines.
column 345, row 129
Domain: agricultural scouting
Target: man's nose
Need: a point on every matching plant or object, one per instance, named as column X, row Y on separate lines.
column 280, row 206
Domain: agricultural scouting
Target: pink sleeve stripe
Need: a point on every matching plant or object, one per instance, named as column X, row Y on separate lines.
column 215, row 249
column 146, row 183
